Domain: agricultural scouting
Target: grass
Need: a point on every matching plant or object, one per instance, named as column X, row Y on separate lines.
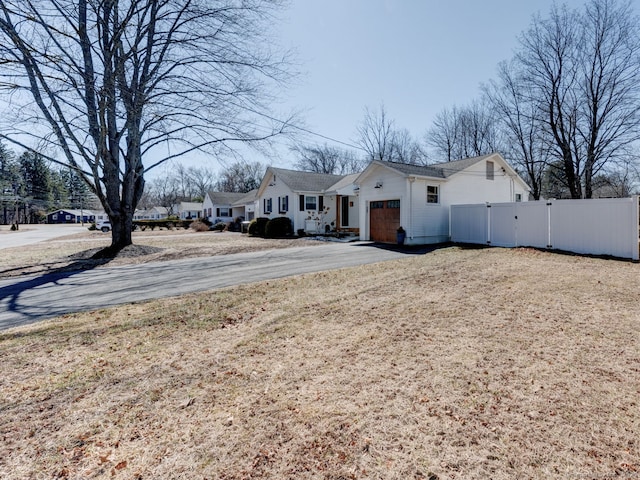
column 458, row 364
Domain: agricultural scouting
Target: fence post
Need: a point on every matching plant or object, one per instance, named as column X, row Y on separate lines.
column 488, row 224
column 549, row 245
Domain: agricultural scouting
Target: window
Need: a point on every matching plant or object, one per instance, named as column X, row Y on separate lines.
column 223, row 212
column 54, row 216
column 374, row 205
column 67, row 217
column 433, row 194
column 518, row 197
column 489, row 170
column 393, row 204
column 310, row 202
column 267, row 205
column 283, row 204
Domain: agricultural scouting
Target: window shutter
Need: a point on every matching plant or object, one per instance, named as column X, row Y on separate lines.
column 218, row 212
column 320, row 202
column 280, row 204
column 264, row 205
column 302, row 203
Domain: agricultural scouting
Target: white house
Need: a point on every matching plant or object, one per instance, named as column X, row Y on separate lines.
column 218, row 206
column 153, row 213
column 189, row 210
column 418, row 197
column 315, row 202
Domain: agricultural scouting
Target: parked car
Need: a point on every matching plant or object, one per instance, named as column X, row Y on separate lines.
column 103, row 226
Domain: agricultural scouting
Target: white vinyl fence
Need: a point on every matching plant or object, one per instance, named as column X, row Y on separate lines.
column 596, row 227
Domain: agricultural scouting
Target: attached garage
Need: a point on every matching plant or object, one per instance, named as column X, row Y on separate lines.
column 384, row 220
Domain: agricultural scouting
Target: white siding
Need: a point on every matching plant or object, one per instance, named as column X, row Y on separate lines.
column 471, row 186
column 426, row 223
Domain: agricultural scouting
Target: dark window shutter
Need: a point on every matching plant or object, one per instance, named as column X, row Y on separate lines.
column 286, row 203
column 320, row 202
column 264, row 205
column 279, row 204
column 218, row 212
column 302, row 203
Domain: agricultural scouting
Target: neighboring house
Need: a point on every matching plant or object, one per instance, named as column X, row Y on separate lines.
column 71, row 216
column 315, row 202
column 246, row 207
column 418, row 197
column 189, row 210
column 153, row 213
column 218, row 206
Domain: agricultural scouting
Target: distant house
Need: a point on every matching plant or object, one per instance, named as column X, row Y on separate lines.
column 71, row 216
column 153, row 213
column 189, row 210
column 418, row 198
column 315, row 202
column 218, row 206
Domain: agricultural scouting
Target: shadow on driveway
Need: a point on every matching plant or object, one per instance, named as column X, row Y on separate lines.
column 407, row 249
column 10, row 294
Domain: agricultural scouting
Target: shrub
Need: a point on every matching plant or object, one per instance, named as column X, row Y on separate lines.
column 218, row 227
column 199, row 226
column 257, row 226
column 278, row 227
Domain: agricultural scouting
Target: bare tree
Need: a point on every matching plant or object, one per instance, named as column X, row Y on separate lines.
column 201, row 180
column 464, row 132
column 523, row 131
column 381, row 140
column 583, row 69
column 326, row 159
column 119, row 81
column 241, row 177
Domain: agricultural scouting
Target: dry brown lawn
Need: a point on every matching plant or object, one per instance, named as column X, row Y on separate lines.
column 461, row 364
column 74, row 251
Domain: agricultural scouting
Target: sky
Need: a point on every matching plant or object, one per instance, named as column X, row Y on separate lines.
column 417, row 57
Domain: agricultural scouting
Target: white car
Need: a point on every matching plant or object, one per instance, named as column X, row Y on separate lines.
column 103, row 225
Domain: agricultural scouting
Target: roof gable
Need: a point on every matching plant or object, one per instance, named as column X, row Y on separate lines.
column 300, row 181
column 224, row 198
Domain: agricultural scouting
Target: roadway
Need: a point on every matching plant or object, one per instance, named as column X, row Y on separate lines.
column 34, row 233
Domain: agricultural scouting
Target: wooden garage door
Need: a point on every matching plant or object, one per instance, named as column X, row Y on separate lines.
column 384, row 220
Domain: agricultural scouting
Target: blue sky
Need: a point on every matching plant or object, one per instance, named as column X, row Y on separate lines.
column 415, row 56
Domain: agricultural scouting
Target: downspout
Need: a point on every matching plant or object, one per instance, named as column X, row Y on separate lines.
column 410, row 229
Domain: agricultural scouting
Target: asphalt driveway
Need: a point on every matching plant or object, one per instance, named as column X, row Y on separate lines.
column 30, row 299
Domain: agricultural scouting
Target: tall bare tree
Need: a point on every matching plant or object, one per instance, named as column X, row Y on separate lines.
column 583, row 67
column 523, row 135
column 381, row 140
column 116, row 82
column 326, row 159
column 241, row 177
column 464, row 132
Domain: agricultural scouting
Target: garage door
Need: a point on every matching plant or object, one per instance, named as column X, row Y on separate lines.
column 384, row 220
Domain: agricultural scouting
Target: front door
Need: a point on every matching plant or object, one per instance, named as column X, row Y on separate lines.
column 344, row 212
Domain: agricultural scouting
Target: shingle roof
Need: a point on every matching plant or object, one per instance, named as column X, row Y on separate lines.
column 224, row 198
column 344, row 182
column 436, row 170
column 306, row 181
column 247, row 198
